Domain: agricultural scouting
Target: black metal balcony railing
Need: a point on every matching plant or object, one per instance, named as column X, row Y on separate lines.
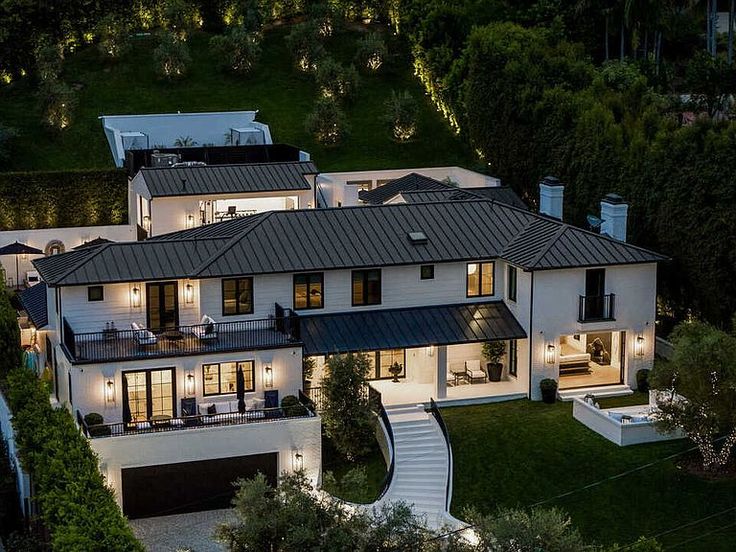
column 114, row 345
column 301, row 410
column 596, row 308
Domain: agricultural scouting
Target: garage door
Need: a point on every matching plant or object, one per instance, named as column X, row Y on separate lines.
column 190, row 486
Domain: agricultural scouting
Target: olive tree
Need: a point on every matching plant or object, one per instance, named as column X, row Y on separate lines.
column 335, row 80
column 372, row 52
column 171, row 57
column 401, row 115
column 327, row 123
column 305, row 45
column 238, row 50
column 113, row 33
column 696, row 391
column 57, row 101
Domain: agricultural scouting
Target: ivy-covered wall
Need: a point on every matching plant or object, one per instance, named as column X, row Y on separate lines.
column 62, row 199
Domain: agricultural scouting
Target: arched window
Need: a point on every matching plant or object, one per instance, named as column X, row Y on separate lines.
column 54, row 247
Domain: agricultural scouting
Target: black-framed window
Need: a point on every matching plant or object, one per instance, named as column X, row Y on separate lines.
column 148, row 393
column 95, row 293
column 426, row 272
column 480, row 279
column 237, row 296
column 381, row 361
column 366, row 287
column 513, row 357
column 221, row 378
column 511, row 283
column 309, row 290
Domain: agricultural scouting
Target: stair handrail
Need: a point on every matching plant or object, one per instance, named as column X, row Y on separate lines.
column 434, row 409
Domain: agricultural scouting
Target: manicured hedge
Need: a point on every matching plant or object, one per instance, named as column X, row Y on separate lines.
column 60, row 199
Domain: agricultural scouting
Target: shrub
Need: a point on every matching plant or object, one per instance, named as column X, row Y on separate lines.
column 236, row 51
column 305, row 45
column 7, row 135
column 49, row 58
column 292, row 407
column 493, row 351
column 171, row 57
column 114, row 36
column 401, row 115
column 642, row 380
column 335, row 80
column 372, row 52
column 57, row 102
column 10, row 353
column 180, row 18
column 323, row 18
column 327, row 123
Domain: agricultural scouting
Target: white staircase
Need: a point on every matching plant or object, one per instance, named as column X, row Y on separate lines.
column 420, row 464
column 599, row 392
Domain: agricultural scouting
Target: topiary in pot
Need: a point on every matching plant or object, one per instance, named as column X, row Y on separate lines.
column 493, row 351
column 291, row 406
column 549, row 390
column 94, row 422
column 395, row 370
column 642, row 380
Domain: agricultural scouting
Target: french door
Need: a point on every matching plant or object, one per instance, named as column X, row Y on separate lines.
column 162, row 306
column 595, row 290
column 148, row 393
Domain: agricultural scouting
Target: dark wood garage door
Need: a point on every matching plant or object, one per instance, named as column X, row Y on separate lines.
column 190, row 486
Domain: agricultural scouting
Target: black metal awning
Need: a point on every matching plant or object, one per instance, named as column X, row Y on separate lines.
column 406, row 328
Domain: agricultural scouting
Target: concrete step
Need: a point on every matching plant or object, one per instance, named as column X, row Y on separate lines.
column 599, row 392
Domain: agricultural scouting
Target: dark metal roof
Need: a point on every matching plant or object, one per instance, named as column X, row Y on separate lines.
column 33, row 301
column 347, row 237
column 227, row 179
column 503, row 194
column 410, row 182
column 406, row 328
column 99, row 240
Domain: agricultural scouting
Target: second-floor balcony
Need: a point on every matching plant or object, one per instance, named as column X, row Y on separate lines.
column 132, row 344
column 596, row 308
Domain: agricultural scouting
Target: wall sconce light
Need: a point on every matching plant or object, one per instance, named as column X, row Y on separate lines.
column 430, row 350
column 639, row 345
column 190, row 220
column 298, row 461
column 189, row 294
column 24, row 256
column 549, row 354
column 189, row 384
column 110, row 391
column 268, row 376
column 135, row 297
column 147, row 223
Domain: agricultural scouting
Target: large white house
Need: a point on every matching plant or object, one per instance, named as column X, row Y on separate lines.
column 162, row 337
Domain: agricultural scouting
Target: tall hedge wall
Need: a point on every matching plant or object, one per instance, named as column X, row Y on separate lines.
column 61, row 199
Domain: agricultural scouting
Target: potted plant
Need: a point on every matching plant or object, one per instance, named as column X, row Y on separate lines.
column 308, row 365
column 492, row 352
column 549, row 390
column 642, row 380
column 395, row 369
column 95, row 427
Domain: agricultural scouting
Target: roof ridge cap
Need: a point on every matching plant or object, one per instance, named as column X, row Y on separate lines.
column 556, row 236
column 86, row 259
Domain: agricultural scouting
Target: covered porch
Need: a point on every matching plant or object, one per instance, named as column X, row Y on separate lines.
column 425, row 352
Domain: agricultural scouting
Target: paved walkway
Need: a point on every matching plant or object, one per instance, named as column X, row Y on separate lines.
column 181, row 531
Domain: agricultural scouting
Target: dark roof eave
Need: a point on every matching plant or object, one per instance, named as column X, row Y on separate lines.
column 304, row 188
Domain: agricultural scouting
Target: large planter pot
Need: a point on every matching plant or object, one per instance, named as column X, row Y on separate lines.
column 495, row 369
column 548, row 387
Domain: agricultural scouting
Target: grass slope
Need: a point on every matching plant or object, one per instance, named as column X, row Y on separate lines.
column 375, row 470
column 282, row 95
column 522, row 452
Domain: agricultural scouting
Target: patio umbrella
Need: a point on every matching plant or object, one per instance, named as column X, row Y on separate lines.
column 17, row 249
column 240, row 390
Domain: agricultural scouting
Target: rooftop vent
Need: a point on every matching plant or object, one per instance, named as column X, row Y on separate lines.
column 417, row 238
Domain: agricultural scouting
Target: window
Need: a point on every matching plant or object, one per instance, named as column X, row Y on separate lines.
column 480, row 279
column 363, row 185
column 221, row 379
column 366, row 287
column 511, row 282
column 427, row 272
column 237, row 296
column 308, row 291
column 95, row 293
column 513, row 357
column 381, row 361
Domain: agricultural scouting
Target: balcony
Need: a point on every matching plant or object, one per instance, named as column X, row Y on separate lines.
column 117, row 345
column 596, row 308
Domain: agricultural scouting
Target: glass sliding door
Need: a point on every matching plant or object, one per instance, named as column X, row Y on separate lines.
column 148, row 393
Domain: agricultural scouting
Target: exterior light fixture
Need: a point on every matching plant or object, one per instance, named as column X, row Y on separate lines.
column 549, row 354
column 268, row 376
column 190, row 220
column 135, row 297
column 147, row 223
column 189, row 384
column 298, row 461
column 430, row 350
column 189, row 294
column 639, row 346
column 110, row 391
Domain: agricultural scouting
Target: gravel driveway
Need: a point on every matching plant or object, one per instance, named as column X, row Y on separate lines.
column 181, row 532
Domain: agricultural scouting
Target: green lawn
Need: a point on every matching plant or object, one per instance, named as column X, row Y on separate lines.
column 282, row 95
column 522, row 452
column 375, row 468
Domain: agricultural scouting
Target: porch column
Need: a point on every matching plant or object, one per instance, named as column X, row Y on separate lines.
column 440, row 382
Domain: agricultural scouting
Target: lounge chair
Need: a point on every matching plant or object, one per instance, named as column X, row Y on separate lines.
column 207, row 330
column 143, row 336
column 474, row 372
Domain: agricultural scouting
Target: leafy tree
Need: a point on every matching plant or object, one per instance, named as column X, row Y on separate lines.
column 710, row 81
column 49, row 58
column 323, row 17
column 238, row 50
column 113, row 32
column 327, row 122
column 372, row 52
column 335, row 80
column 697, row 390
column 401, row 115
column 305, row 45
column 10, row 353
column 171, row 57
column 58, row 102
column 7, row 135
column 181, row 17
column 347, row 417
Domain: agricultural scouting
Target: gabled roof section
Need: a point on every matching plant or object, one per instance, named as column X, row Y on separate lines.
column 227, row 179
column 410, row 182
column 502, row 194
column 33, row 301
